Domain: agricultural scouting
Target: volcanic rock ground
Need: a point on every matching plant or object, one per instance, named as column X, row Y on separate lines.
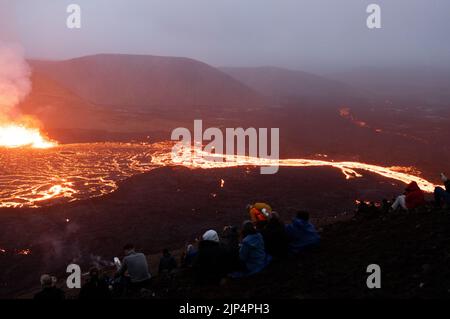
column 165, row 208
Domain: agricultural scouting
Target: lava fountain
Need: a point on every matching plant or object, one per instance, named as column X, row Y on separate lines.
column 15, row 85
column 18, row 135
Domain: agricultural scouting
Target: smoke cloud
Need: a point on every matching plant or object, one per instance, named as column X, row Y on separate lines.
column 15, row 83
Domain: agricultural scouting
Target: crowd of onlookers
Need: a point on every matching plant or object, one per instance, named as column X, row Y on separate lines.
column 234, row 253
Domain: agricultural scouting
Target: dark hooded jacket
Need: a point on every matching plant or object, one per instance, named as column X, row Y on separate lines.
column 210, row 262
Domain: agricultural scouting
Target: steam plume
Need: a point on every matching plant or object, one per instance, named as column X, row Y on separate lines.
column 15, row 82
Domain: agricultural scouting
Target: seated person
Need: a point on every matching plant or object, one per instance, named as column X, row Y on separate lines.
column 275, row 238
column 49, row 290
column 134, row 267
column 412, row 198
column 188, row 256
column 167, row 263
column 252, row 252
column 210, row 263
column 441, row 194
column 301, row 233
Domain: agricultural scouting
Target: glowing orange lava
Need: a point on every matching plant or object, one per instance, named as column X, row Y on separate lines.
column 24, row 252
column 197, row 158
column 16, row 135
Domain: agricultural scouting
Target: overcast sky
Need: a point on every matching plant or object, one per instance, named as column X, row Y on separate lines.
column 299, row 34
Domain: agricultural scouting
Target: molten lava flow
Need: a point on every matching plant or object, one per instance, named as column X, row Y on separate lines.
column 14, row 135
column 196, row 158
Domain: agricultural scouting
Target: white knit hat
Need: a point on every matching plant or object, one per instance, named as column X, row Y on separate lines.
column 211, row 235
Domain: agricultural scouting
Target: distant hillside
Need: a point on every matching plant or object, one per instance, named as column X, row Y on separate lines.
column 147, row 81
column 283, row 85
column 424, row 83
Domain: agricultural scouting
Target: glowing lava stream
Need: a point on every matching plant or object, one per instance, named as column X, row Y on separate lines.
column 204, row 160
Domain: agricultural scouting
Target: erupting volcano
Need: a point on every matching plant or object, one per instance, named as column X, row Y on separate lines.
column 15, row 85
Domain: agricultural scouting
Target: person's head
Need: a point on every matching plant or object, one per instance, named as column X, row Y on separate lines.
column 248, row 229
column 275, row 217
column 303, row 215
column 47, row 281
column 230, row 231
column 211, row 235
column 128, row 248
column 166, row 252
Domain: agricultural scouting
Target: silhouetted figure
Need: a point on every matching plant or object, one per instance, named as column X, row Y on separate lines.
column 188, row 256
column 275, row 237
column 96, row 287
column 210, row 263
column 412, row 198
column 442, row 195
column 301, row 233
column 167, row 263
column 230, row 243
column 49, row 290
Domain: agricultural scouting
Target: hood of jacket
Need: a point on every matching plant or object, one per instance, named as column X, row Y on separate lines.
column 254, row 240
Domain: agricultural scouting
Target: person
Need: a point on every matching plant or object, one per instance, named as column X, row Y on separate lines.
column 301, row 233
column 259, row 212
column 167, row 263
column 252, row 252
column 134, row 268
column 96, row 288
column 188, row 256
column 275, row 238
column 412, row 198
column 441, row 194
column 230, row 242
column 49, row 290
column 209, row 265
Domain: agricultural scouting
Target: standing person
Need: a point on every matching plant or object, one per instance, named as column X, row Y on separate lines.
column 301, row 233
column 412, row 198
column 49, row 290
column 441, row 194
column 134, row 268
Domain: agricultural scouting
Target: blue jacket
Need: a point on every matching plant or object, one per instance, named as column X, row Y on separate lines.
column 301, row 234
column 253, row 254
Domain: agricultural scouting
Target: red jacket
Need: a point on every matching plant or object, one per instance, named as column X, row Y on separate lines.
column 414, row 196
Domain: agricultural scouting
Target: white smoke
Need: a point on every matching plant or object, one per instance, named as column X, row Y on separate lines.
column 15, row 83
